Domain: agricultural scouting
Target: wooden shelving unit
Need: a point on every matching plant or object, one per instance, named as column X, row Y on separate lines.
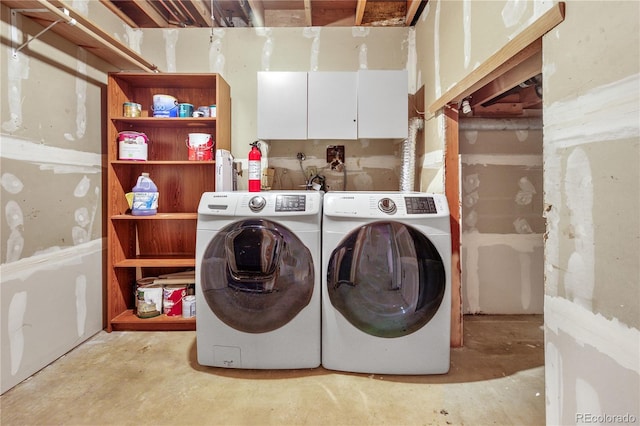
column 146, row 246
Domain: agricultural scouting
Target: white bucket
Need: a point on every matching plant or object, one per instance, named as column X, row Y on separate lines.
column 165, row 106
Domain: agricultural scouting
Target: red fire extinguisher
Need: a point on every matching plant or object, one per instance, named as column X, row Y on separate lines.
column 255, row 169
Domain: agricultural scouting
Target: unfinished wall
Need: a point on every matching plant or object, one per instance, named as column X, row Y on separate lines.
column 239, row 53
column 590, row 179
column 592, row 190
column 502, row 223
column 51, row 100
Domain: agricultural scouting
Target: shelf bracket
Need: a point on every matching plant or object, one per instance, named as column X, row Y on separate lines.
column 14, row 24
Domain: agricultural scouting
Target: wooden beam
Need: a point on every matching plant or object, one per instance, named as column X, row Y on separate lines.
column 531, row 67
column 202, row 12
column 452, row 191
column 412, row 9
column 360, row 7
column 308, row 17
column 119, row 13
column 151, row 12
column 505, row 55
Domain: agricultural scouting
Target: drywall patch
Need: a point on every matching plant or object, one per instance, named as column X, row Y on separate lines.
column 313, row 33
column 59, row 160
column 472, row 241
column 605, row 113
column 133, row 38
column 466, row 25
column 610, row 337
column 11, row 183
column 81, row 304
column 471, row 136
column 513, row 11
column 54, row 259
column 525, row 193
column 436, row 53
column 15, row 326
column 81, row 97
column 532, row 160
column 17, row 70
column 267, row 47
column 412, row 60
column 217, row 59
column 578, row 187
column 553, row 378
column 170, row 40
column 15, row 221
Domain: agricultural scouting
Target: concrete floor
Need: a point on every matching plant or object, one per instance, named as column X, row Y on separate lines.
column 153, row 378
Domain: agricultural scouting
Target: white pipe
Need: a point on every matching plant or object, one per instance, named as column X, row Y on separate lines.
column 408, row 166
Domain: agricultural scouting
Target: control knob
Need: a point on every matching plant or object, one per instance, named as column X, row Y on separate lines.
column 257, row 203
column 387, row 205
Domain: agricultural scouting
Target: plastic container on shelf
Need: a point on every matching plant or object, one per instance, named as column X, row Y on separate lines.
column 145, row 197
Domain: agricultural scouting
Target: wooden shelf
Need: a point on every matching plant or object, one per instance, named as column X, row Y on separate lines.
column 161, row 163
column 158, row 216
column 167, row 122
column 82, row 32
column 164, row 243
column 128, row 321
column 158, row 262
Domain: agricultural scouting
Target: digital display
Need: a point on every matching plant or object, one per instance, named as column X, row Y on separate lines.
column 291, row 203
column 420, row 205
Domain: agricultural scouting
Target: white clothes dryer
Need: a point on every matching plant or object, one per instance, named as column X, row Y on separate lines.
column 258, row 279
column 386, row 294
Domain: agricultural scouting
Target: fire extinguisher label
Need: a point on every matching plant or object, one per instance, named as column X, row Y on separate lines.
column 254, row 170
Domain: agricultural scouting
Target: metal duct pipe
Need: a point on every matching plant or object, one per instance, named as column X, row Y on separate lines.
column 530, row 123
column 408, row 166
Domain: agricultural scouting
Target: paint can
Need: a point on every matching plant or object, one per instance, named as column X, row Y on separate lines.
column 148, row 298
column 189, row 307
column 185, row 110
column 200, row 146
column 172, row 299
column 131, row 109
column 132, row 146
column 165, row 106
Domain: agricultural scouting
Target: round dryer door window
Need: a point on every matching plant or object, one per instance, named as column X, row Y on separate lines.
column 386, row 278
column 256, row 275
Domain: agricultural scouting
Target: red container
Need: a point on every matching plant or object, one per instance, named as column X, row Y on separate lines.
column 172, row 299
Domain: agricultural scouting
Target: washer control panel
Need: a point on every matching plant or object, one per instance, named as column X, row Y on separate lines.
column 420, row 205
column 291, row 203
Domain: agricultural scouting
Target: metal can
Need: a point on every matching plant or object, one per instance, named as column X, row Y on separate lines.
column 131, row 109
column 188, row 306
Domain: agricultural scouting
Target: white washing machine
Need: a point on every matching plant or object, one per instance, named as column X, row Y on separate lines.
column 386, row 294
column 258, row 279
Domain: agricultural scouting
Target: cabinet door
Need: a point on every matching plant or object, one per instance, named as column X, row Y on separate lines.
column 333, row 105
column 382, row 104
column 282, row 105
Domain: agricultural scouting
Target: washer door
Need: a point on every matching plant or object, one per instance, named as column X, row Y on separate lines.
column 386, row 278
column 256, row 275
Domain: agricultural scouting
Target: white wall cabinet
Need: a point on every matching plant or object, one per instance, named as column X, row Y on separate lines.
column 368, row 104
column 332, row 105
column 382, row 104
column 282, row 105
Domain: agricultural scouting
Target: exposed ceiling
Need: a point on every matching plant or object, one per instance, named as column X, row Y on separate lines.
column 267, row 13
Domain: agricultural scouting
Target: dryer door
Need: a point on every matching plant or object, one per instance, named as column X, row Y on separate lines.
column 386, row 278
column 256, row 275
